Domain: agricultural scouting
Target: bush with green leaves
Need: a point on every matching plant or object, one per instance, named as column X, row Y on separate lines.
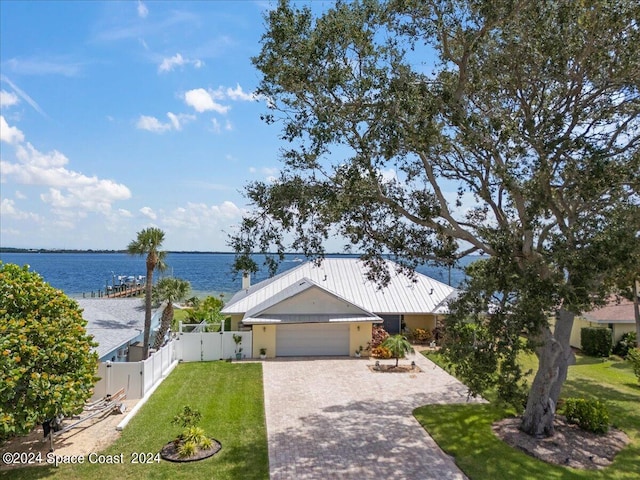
column 590, row 415
column 626, row 342
column 633, row 356
column 192, row 439
column 47, row 359
column 596, row 342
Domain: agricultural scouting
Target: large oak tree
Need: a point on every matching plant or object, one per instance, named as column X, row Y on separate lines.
column 398, row 114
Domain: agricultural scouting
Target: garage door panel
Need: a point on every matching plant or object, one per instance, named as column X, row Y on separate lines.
column 312, row 340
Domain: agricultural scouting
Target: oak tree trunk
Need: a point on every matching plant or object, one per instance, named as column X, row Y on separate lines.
column 554, row 357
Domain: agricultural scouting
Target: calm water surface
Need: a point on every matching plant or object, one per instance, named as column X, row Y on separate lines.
column 209, row 273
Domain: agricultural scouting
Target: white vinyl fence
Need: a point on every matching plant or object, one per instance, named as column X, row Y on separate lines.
column 136, row 378
column 204, row 346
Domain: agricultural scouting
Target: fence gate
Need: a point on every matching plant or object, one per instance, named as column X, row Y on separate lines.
column 200, row 346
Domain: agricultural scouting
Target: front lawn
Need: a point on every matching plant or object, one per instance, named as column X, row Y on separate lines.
column 230, row 398
column 464, row 431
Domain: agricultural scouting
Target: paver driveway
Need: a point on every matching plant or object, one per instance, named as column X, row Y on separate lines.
column 335, row 419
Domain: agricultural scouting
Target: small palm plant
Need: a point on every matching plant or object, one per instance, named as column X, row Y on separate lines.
column 398, row 345
column 193, row 438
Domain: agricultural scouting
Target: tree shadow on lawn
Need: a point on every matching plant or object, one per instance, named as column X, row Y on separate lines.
column 367, row 439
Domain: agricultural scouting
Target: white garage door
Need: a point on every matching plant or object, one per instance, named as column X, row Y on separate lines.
column 312, row 339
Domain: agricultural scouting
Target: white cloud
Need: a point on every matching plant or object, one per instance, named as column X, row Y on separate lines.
column 239, row 94
column 178, row 120
column 8, row 209
column 203, row 217
column 216, row 126
column 44, row 66
column 8, row 99
column 143, row 11
column 168, row 64
column 388, row 175
column 152, row 124
column 252, row 170
column 148, row 212
column 68, row 189
column 125, row 213
column 23, row 95
column 11, row 135
column 203, row 101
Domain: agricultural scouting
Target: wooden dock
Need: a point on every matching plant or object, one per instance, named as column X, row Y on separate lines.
column 120, row 291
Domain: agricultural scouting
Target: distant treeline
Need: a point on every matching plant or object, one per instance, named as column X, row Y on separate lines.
column 70, row 250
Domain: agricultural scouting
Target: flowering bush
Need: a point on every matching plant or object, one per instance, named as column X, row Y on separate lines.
column 420, row 335
column 378, row 335
column 381, row 352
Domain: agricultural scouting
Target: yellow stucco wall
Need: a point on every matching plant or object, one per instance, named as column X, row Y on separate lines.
column 264, row 336
column 359, row 335
column 235, row 320
column 579, row 323
column 425, row 321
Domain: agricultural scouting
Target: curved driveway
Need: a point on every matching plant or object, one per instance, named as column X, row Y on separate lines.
column 333, row 418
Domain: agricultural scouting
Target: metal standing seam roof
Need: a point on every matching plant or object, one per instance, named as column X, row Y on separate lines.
column 346, row 277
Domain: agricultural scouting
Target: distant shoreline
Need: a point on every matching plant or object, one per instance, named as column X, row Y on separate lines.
column 191, row 252
column 70, row 250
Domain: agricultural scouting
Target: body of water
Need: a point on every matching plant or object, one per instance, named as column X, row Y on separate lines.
column 209, row 273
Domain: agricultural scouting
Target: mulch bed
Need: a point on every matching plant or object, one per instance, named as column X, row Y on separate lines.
column 170, row 452
column 394, row 369
column 570, row 446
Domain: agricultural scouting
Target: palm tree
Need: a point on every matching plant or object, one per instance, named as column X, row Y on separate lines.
column 398, row 345
column 148, row 242
column 169, row 290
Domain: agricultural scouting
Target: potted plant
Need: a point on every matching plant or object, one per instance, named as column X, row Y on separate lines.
column 359, row 351
column 238, row 340
column 263, row 353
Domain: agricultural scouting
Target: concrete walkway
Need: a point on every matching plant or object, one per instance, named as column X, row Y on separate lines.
column 335, row 419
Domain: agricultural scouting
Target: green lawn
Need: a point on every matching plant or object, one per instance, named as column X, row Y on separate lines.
column 464, row 431
column 230, row 398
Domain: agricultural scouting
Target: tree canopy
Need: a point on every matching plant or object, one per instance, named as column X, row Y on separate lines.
column 47, row 361
column 427, row 130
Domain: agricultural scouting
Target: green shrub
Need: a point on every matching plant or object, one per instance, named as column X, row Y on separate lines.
column 596, row 342
column 633, row 356
column 626, row 342
column 590, row 415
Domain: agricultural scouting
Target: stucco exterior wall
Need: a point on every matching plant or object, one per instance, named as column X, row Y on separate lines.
column 579, row 323
column 359, row 335
column 311, row 301
column 235, row 320
column 426, row 321
column 264, row 336
column 620, row 329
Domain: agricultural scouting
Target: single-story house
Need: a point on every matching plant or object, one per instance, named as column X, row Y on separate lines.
column 617, row 314
column 117, row 325
column 329, row 309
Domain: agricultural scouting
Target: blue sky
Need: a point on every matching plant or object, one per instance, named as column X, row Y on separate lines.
column 117, row 116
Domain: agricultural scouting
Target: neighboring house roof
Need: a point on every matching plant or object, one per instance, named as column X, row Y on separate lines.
column 113, row 322
column 260, row 313
column 347, row 278
column 616, row 311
